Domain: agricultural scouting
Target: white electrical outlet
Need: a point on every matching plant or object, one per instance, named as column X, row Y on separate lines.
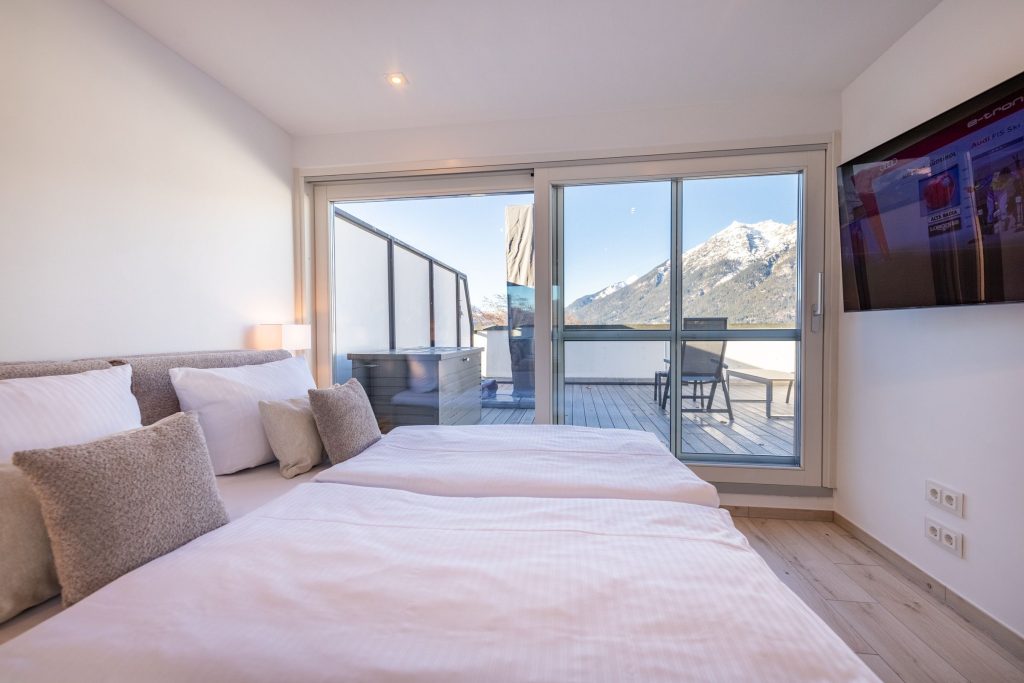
column 953, row 501
column 953, row 542
column 942, row 496
column 950, row 540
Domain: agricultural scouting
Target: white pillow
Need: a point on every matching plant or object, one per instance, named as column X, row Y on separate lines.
column 64, row 410
column 228, row 403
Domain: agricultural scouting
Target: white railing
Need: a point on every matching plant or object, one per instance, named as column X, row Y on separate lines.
column 633, row 361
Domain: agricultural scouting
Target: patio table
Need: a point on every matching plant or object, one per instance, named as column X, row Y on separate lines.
column 768, row 379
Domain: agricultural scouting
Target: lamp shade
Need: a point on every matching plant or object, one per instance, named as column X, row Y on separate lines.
column 284, row 336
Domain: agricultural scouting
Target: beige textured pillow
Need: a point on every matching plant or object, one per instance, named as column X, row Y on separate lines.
column 115, row 504
column 291, row 431
column 27, row 574
column 344, row 419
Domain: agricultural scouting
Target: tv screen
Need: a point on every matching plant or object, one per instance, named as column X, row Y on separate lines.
column 935, row 217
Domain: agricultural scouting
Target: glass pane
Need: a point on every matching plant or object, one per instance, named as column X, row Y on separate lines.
column 360, row 295
column 740, row 250
column 412, row 299
column 520, row 289
column 616, row 384
column 503, row 395
column 617, row 243
column 738, row 400
column 489, row 239
column 445, row 314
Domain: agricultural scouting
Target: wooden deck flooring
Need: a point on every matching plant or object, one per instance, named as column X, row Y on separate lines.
column 632, row 406
column 900, row 631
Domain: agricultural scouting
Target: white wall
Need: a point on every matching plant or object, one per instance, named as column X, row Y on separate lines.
column 717, row 125
column 936, row 393
column 143, row 208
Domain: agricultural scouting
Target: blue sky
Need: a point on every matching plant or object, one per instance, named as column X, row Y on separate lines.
column 612, row 232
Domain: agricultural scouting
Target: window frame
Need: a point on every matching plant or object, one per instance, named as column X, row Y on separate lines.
column 812, row 163
column 315, row 188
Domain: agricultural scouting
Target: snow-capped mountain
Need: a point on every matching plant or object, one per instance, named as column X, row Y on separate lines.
column 746, row 272
column 610, row 289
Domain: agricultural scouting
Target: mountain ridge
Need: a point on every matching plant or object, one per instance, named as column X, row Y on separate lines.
column 745, row 271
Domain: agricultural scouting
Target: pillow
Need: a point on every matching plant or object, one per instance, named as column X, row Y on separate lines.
column 344, row 419
column 151, row 376
column 42, row 412
column 227, row 401
column 26, row 561
column 291, row 431
column 115, row 504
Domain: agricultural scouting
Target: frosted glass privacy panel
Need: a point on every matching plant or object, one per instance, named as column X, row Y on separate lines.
column 445, row 308
column 465, row 336
column 617, row 246
column 360, row 294
column 412, row 299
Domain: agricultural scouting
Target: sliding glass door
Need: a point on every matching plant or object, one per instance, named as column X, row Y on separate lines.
column 686, row 303
column 680, row 297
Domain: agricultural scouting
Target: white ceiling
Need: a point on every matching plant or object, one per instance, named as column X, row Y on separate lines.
column 317, row 66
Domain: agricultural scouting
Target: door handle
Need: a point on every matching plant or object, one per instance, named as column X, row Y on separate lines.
column 819, row 304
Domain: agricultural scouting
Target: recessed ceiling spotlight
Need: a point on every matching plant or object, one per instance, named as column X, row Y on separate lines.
column 397, row 79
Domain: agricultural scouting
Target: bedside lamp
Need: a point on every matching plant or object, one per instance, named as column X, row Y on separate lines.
column 285, row 336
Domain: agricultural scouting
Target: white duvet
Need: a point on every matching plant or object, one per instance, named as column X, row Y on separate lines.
column 542, row 461
column 349, row 583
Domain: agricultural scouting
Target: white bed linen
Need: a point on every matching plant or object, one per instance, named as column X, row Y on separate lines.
column 242, row 492
column 541, row 461
column 354, row 583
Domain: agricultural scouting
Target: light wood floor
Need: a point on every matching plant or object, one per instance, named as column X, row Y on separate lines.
column 900, row 631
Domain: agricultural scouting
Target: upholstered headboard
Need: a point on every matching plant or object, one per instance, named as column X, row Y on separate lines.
column 151, row 379
column 46, row 368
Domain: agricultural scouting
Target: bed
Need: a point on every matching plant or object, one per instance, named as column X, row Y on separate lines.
column 341, row 582
column 449, row 553
column 543, row 461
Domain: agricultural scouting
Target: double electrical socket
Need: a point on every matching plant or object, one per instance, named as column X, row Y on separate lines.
column 944, row 497
column 951, row 540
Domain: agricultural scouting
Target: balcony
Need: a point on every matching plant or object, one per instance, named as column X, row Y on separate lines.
column 632, row 406
column 605, row 389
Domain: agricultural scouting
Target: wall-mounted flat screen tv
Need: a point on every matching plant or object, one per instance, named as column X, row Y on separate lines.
column 935, row 217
